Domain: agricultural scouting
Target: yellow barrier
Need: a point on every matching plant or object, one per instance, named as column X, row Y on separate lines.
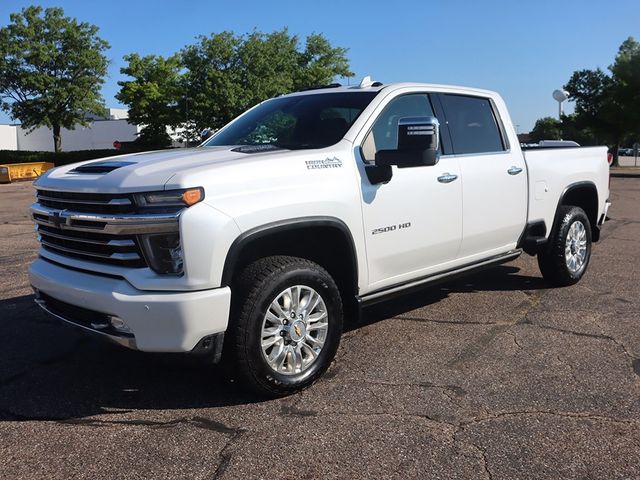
column 23, row 171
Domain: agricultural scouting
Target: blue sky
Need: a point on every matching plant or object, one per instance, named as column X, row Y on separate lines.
column 522, row 49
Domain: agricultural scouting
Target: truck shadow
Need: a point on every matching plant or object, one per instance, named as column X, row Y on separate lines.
column 502, row 278
column 48, row 371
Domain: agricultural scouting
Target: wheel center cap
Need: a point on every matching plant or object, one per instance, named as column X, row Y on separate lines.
column 297, row 331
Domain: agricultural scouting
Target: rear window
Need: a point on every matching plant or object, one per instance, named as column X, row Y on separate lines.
column 472, row 124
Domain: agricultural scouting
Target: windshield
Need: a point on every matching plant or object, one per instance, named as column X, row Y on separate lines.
column 296, row 122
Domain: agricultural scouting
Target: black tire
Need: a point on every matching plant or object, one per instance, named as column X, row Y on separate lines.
column 253, row 292
column 551, row 259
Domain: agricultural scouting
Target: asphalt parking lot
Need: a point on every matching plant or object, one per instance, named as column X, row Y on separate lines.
column 495, row 376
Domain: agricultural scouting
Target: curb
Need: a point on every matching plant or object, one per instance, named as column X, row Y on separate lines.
column 625, row 175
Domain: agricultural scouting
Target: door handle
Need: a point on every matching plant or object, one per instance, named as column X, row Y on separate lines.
column 514, row 170
column 447, row 178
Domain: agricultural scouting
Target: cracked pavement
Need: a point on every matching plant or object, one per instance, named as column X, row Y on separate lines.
column 494, row 376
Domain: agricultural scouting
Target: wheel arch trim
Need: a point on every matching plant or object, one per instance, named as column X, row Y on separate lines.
column 587, row 184
column 277, row 227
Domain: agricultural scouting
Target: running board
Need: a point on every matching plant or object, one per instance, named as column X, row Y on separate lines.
column 401, row 289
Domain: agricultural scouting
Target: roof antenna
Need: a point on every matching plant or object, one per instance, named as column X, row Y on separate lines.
column 366, row 82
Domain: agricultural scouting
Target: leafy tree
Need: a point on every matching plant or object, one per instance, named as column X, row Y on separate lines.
column 591, row 91
column 608, row 105
column 626, row 88
column 547, row 128
column 320, row 63
column 51, row 70
column 212, row 81
column 227, row 74
column 572, row 131
column 153, row 95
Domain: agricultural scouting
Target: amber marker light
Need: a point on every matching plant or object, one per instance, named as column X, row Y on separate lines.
column 192, row 196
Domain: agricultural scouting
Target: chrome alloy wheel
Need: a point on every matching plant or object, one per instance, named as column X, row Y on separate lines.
column 575, row 248
column 294, row 330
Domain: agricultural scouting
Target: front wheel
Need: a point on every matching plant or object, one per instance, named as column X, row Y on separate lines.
column 566, row 257
column 286, row 324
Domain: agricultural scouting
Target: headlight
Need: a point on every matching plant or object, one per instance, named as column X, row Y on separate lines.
column 163, row 252
column 170, row 198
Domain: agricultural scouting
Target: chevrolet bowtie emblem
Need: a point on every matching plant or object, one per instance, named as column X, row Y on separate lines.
column 57, row 219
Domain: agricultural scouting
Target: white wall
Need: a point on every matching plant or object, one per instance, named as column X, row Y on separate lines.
column 99, row 135
column 8, row 137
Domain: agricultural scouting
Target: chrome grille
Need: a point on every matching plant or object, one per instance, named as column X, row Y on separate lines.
column 98, row 227
column 114, row 249
column 87, row 202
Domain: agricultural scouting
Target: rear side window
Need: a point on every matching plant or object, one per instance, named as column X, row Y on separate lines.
column 472, row 124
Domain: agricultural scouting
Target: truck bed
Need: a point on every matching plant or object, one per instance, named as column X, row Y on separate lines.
column 552, row 170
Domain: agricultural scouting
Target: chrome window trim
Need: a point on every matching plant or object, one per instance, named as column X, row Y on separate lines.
column 482, row 154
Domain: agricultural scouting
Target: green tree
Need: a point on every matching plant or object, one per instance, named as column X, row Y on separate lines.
column 51, row 70
column 608, row 105
column 625, row 72
column 572, row 131
column 153, row 95
column 212, row 81
column 547, row 128
column 227, row 74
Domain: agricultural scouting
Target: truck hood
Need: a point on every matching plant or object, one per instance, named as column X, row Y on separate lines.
column 140, row 171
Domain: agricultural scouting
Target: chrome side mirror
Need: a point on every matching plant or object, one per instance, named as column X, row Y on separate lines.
column 418, row 144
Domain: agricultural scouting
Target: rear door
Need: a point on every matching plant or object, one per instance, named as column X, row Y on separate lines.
column 494, row 177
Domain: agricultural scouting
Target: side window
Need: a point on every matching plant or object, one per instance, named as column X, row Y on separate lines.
column 472, row 124
column 384, row 133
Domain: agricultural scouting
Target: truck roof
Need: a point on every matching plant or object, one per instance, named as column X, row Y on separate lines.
column 377, row 86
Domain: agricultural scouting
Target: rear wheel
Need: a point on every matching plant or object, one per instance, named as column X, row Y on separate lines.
column 566, row 257
column 286, row 325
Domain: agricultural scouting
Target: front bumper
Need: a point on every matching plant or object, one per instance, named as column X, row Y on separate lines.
column 158, row 321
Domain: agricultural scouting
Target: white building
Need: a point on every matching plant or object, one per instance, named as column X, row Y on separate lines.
column 98, row 135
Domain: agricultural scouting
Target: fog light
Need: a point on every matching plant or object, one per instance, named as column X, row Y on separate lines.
column 118, row 324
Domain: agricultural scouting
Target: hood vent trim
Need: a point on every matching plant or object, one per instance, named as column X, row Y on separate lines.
column 256, row 148
column 100, row 168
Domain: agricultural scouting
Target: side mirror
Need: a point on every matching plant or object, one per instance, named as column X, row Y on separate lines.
column 418, row 144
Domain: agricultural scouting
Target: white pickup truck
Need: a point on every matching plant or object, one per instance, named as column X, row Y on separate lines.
column 261, row 240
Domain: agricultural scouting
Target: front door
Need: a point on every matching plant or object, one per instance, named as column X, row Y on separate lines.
column 413, row 223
